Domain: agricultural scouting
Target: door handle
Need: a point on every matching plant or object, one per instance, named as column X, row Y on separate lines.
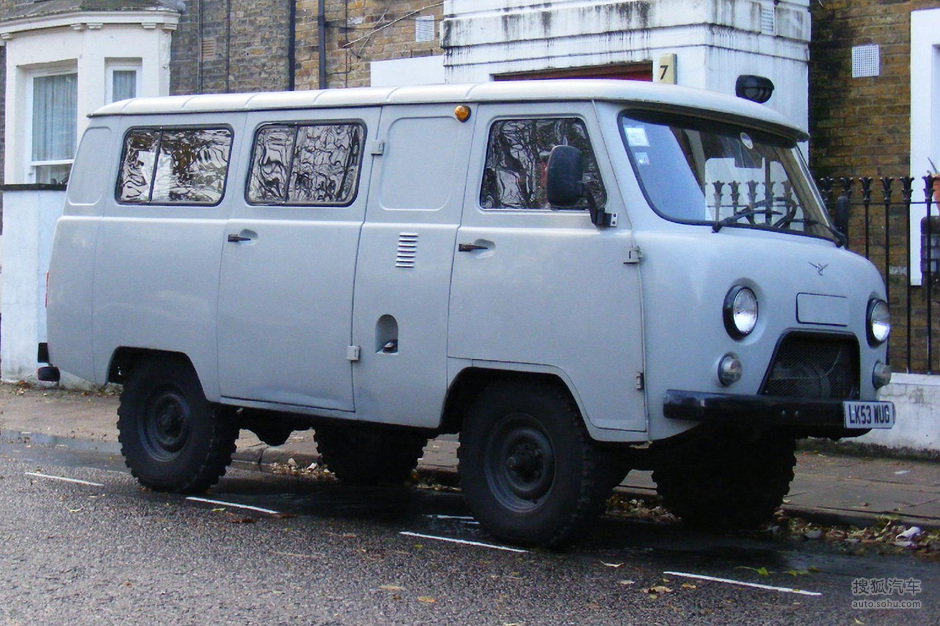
column 238, row 238
column 470, row 247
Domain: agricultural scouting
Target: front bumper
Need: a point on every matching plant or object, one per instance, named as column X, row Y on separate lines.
column 815, row 415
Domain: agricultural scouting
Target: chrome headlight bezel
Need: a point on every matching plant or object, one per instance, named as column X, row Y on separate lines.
column 741, row 311
column 878, row 322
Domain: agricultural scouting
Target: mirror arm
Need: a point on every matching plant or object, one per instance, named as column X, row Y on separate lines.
column 599, row 217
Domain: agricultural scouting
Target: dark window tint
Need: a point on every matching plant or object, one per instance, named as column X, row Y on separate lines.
column 175, row 166
column 517, row 157
column 306, row 164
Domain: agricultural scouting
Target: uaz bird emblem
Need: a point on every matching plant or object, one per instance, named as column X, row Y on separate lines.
column 819, row 268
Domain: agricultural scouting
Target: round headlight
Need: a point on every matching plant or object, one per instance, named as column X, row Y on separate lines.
column 879, row 322
column 740, row 312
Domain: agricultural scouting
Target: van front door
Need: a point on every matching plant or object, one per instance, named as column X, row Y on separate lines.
column 536, row 289
column 289, row 260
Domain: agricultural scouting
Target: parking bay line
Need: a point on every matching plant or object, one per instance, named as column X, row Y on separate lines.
column 247, row 507
column 64, row 479
column 461, row 541
column 741, row 583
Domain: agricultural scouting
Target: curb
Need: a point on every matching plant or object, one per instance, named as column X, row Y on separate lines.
column 60, row 441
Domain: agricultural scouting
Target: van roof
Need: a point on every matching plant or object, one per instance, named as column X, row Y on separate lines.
column 637, row 92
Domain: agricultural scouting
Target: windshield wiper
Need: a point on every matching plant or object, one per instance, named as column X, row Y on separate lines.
column 734, row 218
column 841, row 239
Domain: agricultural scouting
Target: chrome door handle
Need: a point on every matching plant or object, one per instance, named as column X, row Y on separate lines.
column 238, row 238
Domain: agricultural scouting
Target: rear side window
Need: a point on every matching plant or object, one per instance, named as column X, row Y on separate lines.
column 186, row 166
column 306, row 164
column 517, row 158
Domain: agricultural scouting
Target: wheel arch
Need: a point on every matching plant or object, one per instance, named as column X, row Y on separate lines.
column 126, row 358
column 468, row 384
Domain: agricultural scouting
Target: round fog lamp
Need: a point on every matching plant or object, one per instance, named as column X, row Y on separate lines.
column 879, row 322
column 729, row 370
column 881, row 375
column 740, row 312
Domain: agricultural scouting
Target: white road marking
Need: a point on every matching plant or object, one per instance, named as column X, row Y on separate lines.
column 460, row 517
column 64, row 479
column 462, row 542
column 729, row 581
column 247, row 507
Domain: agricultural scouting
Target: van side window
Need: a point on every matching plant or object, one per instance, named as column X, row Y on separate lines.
column 306, row 164
column 517, row 157
column 174, row 166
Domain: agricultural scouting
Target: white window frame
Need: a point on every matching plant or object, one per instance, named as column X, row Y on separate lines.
column 31, row 75
column 121, row 66
column 925, row 116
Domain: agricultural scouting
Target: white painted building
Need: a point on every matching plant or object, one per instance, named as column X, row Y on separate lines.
column 62, row 63
column 714, row 41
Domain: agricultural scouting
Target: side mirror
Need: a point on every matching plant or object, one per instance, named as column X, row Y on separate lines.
column 564, row 184
column 563, row 179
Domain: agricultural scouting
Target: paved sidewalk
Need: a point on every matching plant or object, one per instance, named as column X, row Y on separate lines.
column 828, row 488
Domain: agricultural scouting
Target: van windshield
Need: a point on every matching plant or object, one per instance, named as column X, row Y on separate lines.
column 705, row 172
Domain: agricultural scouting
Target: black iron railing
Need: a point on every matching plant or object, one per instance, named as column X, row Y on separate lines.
column 882, row 214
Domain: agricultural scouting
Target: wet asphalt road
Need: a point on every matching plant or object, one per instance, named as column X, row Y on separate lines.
column 111, row 553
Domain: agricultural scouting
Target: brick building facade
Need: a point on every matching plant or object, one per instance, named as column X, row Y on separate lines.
column 231, row 46
column 861, row 124
column 869, row 106
column 246, row 45
column 359, row 32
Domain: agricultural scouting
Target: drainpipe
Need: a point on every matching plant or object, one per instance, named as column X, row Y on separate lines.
column 292, row 46
column 321, row 40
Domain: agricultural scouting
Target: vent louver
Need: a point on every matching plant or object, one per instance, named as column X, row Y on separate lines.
column 407, row 250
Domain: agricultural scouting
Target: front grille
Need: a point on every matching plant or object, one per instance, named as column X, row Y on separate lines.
column 814, row 366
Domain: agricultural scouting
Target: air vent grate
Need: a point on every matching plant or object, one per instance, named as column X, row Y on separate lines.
column 768, row 20
column 407, row 250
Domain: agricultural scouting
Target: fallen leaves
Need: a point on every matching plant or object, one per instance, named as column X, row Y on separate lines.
column 889, row 534
column 760, row 571
column 291, row 468
column 656, row 591
column 637, row 508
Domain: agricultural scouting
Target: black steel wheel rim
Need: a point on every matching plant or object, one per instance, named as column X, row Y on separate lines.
column 519, row 463
column 166, row 424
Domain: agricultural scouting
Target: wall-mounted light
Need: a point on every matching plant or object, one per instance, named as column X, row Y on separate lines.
column 758, row 89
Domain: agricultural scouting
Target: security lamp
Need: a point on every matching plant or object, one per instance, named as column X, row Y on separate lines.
column 755, row 88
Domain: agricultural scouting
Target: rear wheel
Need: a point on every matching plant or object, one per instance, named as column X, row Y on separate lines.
column 172, row 438
column 529, row 471
column 726, row 478
column 369, row 457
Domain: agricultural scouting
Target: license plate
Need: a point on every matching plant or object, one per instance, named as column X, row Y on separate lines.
column 868, row 414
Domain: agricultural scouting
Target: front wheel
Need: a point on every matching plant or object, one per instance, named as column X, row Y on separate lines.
column 726, row 478
column 172, row 438
column 529, row 471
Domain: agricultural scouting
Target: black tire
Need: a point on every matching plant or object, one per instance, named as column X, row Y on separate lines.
column 361, row 456
column 171, row 437
column 726, row 478
column 530, row 473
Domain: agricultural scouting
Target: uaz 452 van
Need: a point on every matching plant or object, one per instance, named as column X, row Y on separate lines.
column 578, row 277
